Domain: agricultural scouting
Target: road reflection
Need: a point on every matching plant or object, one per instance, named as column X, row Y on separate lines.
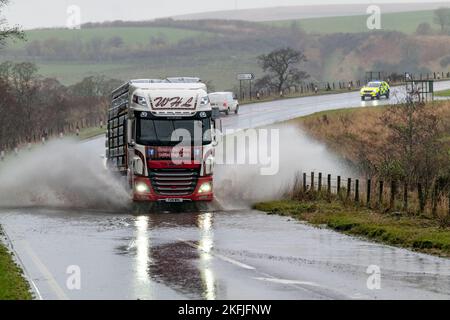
column 185, row 265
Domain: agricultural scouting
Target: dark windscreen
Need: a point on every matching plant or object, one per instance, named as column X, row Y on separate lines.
column 159, row 132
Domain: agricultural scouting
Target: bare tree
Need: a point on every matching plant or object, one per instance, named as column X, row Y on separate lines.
column 282, row 65
column 442, row 17
column 6, row 31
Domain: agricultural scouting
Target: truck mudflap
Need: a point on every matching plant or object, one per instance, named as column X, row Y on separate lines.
column 144, row 191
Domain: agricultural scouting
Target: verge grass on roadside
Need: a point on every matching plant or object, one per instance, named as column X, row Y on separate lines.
column 13, row 285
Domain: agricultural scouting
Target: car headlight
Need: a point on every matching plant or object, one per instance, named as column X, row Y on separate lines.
column 204, row 101
column 142, row 187
column 140, row 100
column 206, row 187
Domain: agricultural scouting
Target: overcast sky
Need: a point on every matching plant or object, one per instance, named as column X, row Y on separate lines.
column 50, row 13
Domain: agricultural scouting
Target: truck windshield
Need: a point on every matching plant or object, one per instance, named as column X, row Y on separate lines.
column 152, row 132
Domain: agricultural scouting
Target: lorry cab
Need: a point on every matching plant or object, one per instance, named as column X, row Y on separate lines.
column 161, row 137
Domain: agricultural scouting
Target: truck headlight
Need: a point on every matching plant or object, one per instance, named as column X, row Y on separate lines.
column 204, row 101
column 140, row 100
column 142, row 187
column 206, row 187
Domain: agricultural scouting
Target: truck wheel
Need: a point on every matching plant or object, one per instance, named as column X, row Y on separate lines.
column 378, row 97
column 363, row 99
column 227, row 112
column 387, row 95
column 237, row 110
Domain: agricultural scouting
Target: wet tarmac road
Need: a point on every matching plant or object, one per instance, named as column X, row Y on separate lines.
column 214, row 254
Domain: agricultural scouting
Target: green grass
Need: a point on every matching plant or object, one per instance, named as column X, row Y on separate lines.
column 417, row 233
column 13, row 285
column 219, row 67
column 444, row 93
column 406, row 22
column 130, row 35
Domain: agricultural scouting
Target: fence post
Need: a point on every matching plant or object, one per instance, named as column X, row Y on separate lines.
column 393, row 192
column 434, row 200
column 448, row 203
column 304, row 182
column 349, row 187
column 369, row 186
column 405, row 196
column 319, row 182
column 312, row 181
column 380, row 194
column 329, row 184
column 338, row 185
column 357, row 190
column 421, row 198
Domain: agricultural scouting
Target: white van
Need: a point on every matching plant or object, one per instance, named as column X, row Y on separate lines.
column 224, row 101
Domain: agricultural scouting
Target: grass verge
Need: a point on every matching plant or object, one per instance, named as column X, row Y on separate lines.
column 443, row 93
column 402, row 230
column 13, row 285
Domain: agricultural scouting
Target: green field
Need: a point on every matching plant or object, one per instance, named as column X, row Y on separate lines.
column 130, row 35
column 406, row 22
column 213, row 66
column 444, row 93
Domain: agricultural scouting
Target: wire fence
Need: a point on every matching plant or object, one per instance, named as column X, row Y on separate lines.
column 319, row 87
column 432, row 198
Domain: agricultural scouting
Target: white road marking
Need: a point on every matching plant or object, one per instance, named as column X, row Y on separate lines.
column 219, row 256
column 44, row 271
column 290, row 282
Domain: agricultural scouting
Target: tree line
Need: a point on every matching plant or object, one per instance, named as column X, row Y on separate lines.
column 33, row 107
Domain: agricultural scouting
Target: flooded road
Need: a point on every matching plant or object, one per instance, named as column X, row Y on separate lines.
column 225, row 252
column 211, row 255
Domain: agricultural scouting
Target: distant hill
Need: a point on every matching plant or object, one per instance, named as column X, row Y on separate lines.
column 311, row 11
column 337, row 48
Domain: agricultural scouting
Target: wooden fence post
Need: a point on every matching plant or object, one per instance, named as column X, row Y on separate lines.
column 304, row 182
column 448, row 203
column 421, row 198
column 369, row 186
column 380, row 194
column 405, row 196
column 319, row 185
column 349, row 187
column 434, row 200
column 312, row 181
column 338, row 185
column 329, row 184
column 393, row 193
column 357, row 190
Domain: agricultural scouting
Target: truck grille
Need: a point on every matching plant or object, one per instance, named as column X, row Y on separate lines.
column 174, row 182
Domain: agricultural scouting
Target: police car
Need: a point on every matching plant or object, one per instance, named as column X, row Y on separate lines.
column 375, row 90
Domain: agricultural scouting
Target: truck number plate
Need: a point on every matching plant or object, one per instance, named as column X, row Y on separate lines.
column 174, row 200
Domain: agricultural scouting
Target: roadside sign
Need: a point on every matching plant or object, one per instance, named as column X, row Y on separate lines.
column 245, row 76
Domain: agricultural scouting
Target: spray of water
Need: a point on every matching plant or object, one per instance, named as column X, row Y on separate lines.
column 69, row 174
column 238, row 186
column 63, row 173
